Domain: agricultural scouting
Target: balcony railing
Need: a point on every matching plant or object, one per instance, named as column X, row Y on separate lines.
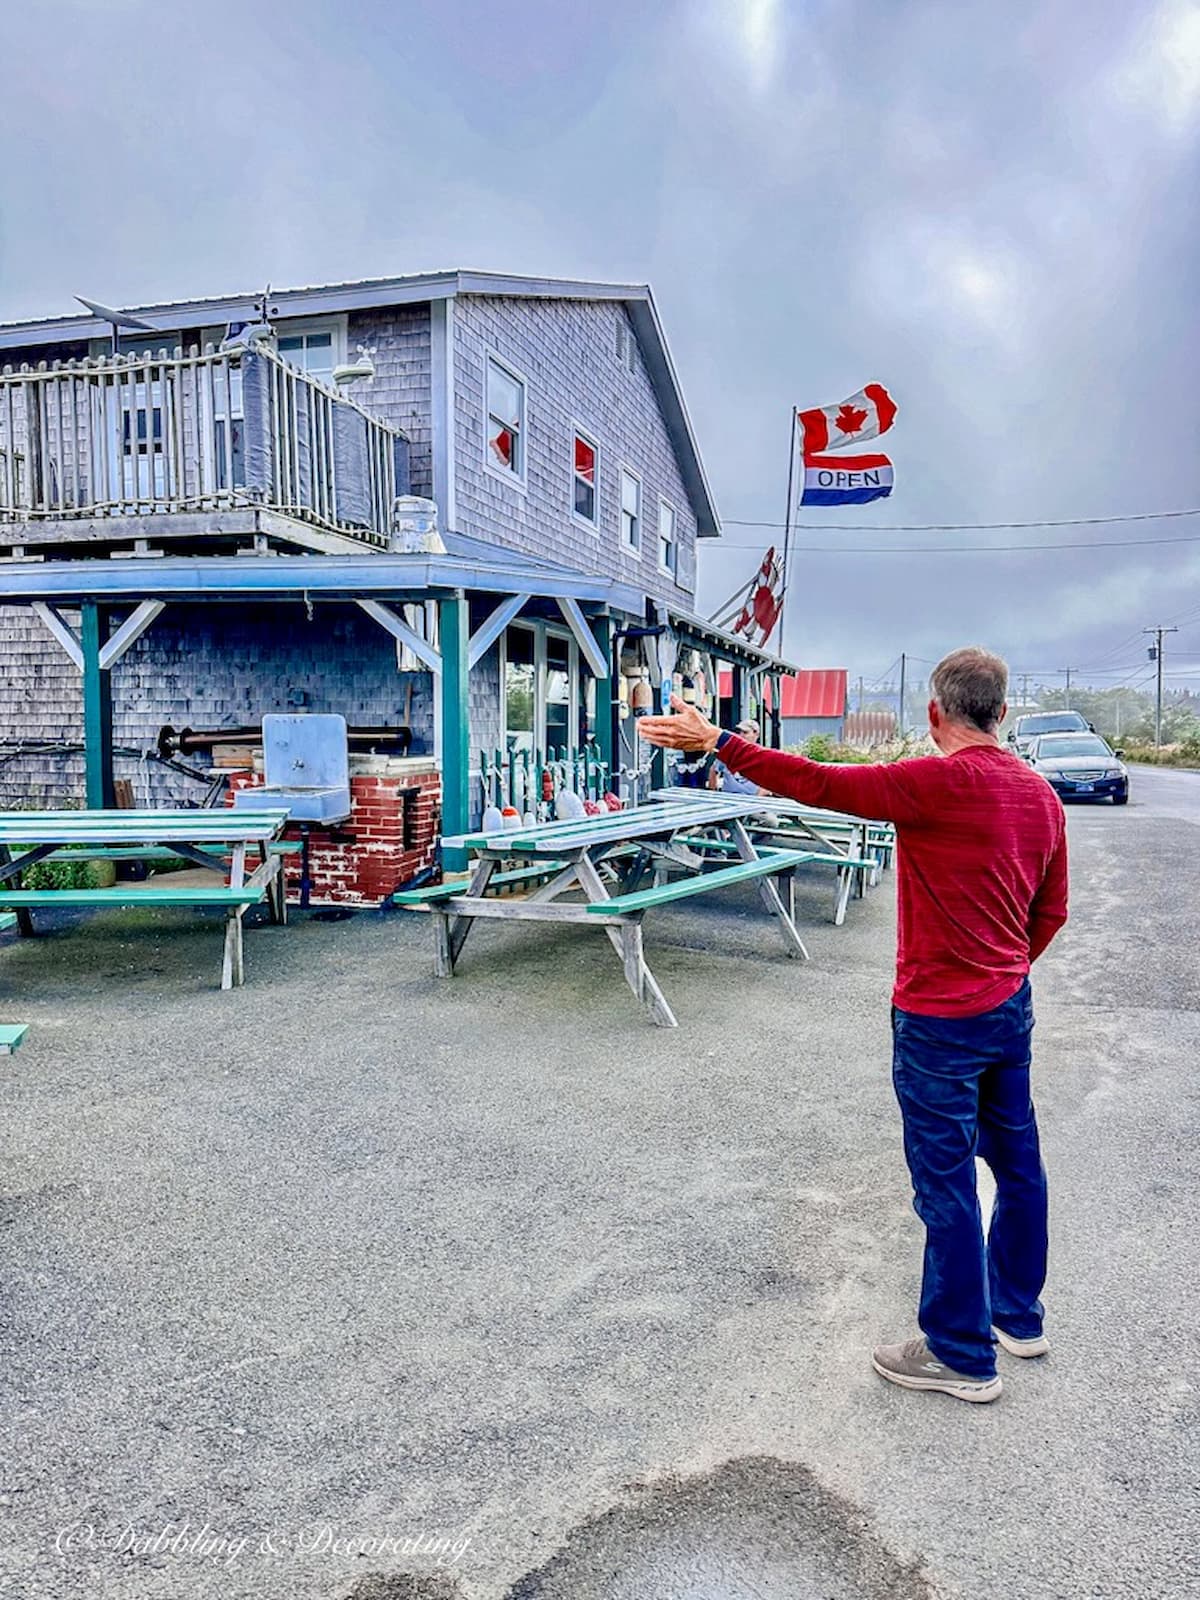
column 139, row 436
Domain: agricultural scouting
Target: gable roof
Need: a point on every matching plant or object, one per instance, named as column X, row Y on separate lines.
column 366, row 293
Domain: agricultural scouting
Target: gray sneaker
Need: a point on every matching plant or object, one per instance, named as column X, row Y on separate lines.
column 914, row 1366
column 1021, row 1347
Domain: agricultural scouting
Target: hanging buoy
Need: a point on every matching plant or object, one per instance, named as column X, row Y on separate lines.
column 510, row 818
column 568, row 806
column 493, row 819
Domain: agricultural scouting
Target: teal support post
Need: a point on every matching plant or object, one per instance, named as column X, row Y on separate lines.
column 97, row 710
column 606, row 707
column 454, row 632
column 737, row 694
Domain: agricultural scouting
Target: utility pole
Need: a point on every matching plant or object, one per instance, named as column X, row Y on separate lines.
column 860, row 692
column 1156, row 655
column 1024, row 690
column 1068, row 671
column 903, row 663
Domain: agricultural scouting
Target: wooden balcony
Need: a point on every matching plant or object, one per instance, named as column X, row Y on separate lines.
column 132, row 450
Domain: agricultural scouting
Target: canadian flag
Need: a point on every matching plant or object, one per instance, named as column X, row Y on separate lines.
column 865, row 415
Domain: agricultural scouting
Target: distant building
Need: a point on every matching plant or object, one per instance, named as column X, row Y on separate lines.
column 811, row 702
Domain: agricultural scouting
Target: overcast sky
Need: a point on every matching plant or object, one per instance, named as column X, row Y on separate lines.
column 990, row 208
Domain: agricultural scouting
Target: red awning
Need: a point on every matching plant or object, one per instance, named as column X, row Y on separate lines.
column 806, row 694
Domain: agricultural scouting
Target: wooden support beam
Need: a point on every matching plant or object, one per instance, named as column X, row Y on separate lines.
column 486, row 635
column 588, row 648
column 606, row 701
column 399, row 629
column 54, row 624
column 130, row 631
column 455, row 711
column 97, row 709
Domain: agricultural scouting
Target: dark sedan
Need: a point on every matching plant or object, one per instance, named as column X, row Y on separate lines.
column 1080, row 766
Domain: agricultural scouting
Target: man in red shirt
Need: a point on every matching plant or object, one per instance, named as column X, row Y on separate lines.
column 982, row 889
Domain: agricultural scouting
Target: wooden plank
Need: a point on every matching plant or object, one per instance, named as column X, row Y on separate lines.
column 684, row 888
column 525, row 911
column 162, row 852
column 632, row 824
column 131, row 895
column 444, row 891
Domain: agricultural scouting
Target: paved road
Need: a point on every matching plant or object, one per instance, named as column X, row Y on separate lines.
column 359, row 1254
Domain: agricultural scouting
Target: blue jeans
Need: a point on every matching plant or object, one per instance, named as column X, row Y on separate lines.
column 963, row 1088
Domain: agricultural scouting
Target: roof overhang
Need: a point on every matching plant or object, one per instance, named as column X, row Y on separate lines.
column 704, row 635
column 375, row 576
column 324, row 300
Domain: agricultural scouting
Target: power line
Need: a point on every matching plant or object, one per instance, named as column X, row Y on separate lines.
column 963, row 549
column 966, row 527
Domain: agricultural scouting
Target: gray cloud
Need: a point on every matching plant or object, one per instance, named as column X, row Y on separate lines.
column 990, row 208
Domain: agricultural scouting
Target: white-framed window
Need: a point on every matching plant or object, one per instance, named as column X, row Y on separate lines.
column 540, row 673
column 668, row 548
column 504, row 441
column 315, row 347
column 585, row 478
column 631, row 511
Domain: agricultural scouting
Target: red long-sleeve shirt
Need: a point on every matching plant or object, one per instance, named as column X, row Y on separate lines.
column 981, row 862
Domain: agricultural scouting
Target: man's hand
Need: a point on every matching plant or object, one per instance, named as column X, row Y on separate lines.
column 689, row 729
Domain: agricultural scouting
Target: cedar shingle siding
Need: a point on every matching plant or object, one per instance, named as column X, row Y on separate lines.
column 206, row 666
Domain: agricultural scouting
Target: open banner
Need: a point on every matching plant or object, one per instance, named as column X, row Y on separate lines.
column 845, row 480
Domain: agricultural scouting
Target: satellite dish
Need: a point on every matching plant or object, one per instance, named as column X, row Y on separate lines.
column 115, row 319
column 118, row 319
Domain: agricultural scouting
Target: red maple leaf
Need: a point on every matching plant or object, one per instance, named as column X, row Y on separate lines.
column 849, row 420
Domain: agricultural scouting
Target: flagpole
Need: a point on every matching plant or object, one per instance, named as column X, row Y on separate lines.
column 787, row 526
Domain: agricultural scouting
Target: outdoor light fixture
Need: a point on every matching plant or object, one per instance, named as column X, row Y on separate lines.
column 353, row 371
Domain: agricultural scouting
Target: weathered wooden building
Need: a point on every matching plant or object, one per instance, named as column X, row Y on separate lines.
column 200, row 526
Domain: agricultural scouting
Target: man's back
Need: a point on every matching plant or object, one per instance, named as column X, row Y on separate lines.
column 982, row 863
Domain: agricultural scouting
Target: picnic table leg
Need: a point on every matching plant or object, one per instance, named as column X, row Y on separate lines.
column 639, row 977
column 443, row 958
column 627, row 942
column 458, row 929
column 845, row 881
column 276, row 903
column 768, row 893
column 233, row 972
column 24, row 916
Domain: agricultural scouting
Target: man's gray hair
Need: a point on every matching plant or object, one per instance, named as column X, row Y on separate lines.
column 971, row 685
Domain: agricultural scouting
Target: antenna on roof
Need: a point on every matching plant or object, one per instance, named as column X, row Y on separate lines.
column 242, row 335
column 115, row 319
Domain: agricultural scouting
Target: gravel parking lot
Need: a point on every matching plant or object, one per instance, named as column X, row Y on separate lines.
column 354, row 1283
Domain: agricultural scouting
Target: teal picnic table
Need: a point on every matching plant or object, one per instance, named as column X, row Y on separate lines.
column 863, row 844
column 604, row 859
column 218, row 840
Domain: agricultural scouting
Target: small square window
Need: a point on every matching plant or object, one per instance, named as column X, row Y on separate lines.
column 312, row 353
column 584, row 479
column 668, row 553
column 631, row 510
column 505, row 420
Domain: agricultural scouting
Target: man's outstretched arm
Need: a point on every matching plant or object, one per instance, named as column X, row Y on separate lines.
column 887, row 791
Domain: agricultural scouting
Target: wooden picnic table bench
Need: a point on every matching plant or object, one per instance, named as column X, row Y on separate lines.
column 577, row 856
column 863, row 844
column 205, row 838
